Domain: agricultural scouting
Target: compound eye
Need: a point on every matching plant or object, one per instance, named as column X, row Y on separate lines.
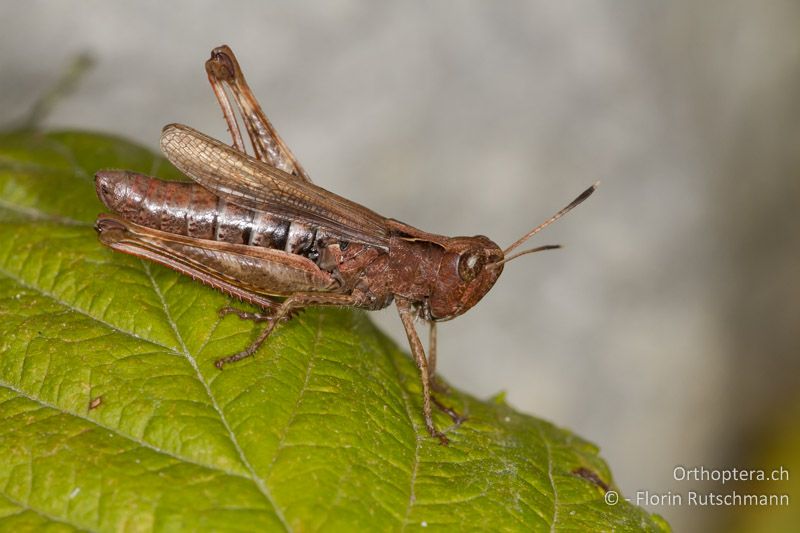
column 470, row 265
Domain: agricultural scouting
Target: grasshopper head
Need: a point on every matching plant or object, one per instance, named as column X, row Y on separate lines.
column 466, row 273
column 470, row 267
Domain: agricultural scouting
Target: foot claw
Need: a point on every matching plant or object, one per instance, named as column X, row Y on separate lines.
column 433, row 432
column 454, row 416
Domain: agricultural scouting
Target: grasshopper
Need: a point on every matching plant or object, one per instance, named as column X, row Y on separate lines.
column 257, row 228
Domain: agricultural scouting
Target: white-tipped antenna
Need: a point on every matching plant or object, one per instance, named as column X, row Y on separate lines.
column 574, row 203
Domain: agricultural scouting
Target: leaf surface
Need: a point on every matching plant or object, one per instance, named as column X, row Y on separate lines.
column 114, row 417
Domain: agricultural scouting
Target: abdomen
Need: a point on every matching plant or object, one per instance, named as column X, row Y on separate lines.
column 185, row 208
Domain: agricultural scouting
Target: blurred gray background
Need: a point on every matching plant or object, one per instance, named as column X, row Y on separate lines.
column 665, row 331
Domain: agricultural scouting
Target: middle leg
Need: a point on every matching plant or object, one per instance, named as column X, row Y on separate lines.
column 292, row 304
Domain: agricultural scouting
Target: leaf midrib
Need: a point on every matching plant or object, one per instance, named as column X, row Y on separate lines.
column 259, row 482
column 34, row 215
column 253, row 478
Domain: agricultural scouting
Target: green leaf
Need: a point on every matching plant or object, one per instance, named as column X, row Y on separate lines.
column 114, row 417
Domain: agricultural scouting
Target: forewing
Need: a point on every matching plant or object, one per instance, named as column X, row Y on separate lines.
column 249, row 272
column 250, row 183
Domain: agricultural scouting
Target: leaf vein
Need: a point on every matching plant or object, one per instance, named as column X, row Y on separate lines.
column 43, row 514
column 255, row 477
column 31, row 213
column 412, row 498
column 71, row 307
column 119, row 433
column 547, row 447
column 309, row 368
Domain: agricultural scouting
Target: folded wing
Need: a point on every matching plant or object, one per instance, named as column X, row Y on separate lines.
column 250, row 183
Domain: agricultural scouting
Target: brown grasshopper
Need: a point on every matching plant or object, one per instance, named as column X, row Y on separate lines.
column 255, row 227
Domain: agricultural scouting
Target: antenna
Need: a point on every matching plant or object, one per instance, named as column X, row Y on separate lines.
column 573, row 204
